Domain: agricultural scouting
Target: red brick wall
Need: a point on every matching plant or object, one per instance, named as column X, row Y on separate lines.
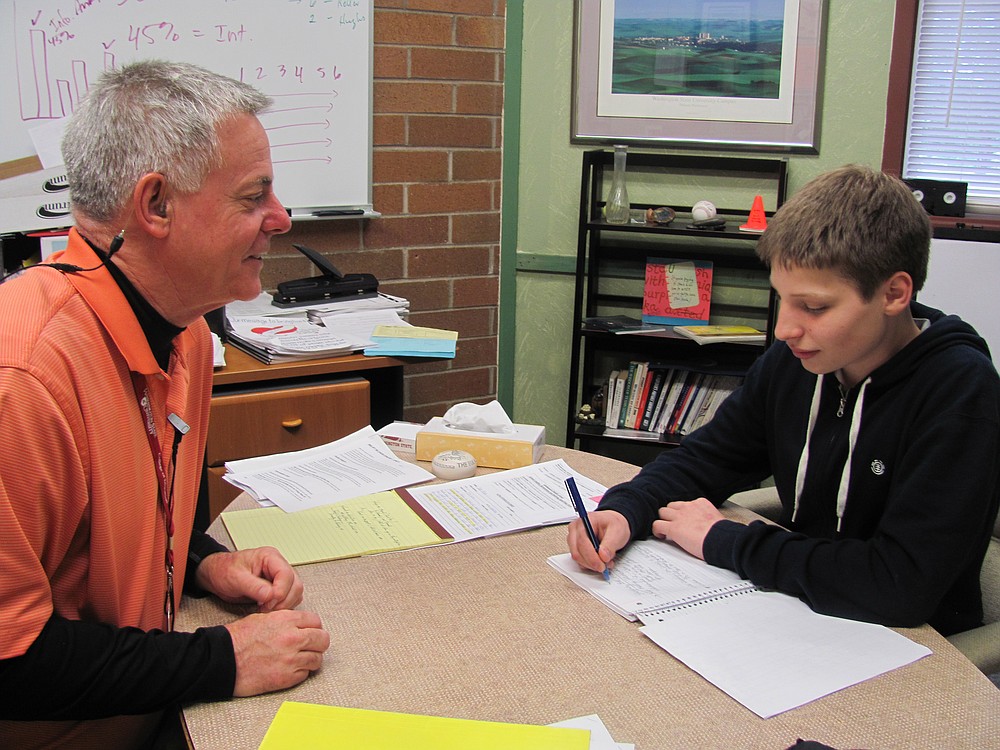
column 438, row 97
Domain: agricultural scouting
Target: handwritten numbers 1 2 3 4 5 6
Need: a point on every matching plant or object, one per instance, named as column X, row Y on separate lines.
column 290, row 72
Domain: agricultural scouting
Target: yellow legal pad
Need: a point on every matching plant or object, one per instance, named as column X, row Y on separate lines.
column 365, row 525
column 298, row 726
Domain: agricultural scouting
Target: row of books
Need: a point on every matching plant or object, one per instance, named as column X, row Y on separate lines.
column 651, row 398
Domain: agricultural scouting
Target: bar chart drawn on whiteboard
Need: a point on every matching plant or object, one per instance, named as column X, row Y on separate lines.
column 312, row 58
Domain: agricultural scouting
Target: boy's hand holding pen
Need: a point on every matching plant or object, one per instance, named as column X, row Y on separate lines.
column 574, row 494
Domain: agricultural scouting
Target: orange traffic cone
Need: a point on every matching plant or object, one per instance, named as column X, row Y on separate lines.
column 757, row 221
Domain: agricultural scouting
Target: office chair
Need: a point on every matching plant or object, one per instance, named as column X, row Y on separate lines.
column 982, row 645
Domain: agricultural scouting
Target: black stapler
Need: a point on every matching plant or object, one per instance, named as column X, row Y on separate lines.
column 332, row 285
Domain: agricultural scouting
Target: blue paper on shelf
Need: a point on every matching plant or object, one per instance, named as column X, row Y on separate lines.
column 412, row 341
column 393, row 347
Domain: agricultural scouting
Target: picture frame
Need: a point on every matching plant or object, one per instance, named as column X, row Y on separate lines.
column 738, row 75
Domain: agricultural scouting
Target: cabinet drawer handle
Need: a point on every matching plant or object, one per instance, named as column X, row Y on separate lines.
column 291, row 424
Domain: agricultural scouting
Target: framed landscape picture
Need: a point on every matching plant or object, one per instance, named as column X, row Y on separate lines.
column 724, row 74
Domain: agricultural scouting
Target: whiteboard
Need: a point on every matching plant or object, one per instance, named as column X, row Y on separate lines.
column 313, row 57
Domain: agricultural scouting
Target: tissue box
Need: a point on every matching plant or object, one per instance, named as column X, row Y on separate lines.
column 498, row 450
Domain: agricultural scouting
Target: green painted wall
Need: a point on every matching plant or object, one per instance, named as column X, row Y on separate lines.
column 853, row 84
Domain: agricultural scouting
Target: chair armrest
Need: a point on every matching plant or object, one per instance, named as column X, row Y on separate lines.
column 981, row 646
column 763, row 501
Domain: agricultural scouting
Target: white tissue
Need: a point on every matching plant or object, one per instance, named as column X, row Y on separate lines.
column 479, row 417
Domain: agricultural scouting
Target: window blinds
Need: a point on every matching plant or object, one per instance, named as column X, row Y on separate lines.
column 954, row 118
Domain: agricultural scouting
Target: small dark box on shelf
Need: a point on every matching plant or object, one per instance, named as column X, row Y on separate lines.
column 940, row 197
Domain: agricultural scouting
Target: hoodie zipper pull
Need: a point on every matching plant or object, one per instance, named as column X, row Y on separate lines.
column 843, row 400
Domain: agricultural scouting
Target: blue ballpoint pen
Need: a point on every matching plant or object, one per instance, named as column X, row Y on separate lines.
column 574, row 494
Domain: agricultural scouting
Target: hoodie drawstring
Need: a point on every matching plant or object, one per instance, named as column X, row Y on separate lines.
column 800, row 474
column 845, row 477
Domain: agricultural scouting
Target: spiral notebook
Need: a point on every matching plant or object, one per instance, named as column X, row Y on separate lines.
column 766, row 650
column 652, row 577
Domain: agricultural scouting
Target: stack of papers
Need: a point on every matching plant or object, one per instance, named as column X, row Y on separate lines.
column 277, row 334
column 263, row 304
column 280, row 340
column 381, row 301
column 325, row 474
column 722, row 334
column 412, row 341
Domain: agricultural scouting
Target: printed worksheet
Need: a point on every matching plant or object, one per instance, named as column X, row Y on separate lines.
column 506, row 501
column 359, row 464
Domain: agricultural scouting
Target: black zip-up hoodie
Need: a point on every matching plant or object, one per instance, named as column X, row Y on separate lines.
column 889, row 517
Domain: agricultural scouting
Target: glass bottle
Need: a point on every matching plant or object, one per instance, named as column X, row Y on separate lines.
column 617, row 209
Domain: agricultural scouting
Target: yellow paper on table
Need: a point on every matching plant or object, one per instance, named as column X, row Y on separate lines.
column 306, row 725
column 414, row 332
column 365, row 525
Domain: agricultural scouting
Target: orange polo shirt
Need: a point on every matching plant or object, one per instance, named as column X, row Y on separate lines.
column 81, row 527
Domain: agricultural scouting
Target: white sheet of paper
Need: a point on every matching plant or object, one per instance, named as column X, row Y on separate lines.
column 263, row 304
column 359, row 464
column 358, row 326
column 600, row 737
column 772, row 653
column 218, row 352
column 506, row 501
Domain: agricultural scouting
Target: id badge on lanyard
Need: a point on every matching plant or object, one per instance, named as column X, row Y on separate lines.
column 165, row 486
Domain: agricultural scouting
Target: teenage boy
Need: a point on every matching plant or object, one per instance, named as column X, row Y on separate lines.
column 877, row 417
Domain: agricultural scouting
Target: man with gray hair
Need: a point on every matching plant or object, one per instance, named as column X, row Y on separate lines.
column 105, row 382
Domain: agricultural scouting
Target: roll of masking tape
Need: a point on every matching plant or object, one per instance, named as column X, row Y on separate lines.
column 453, row 464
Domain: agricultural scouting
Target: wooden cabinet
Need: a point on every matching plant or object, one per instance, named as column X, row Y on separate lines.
column 260, row 409
column 610, row 267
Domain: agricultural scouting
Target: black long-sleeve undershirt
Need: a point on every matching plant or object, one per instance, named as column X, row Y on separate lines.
column 90, row 670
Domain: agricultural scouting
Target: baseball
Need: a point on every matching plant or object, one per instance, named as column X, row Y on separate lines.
column 703, row 210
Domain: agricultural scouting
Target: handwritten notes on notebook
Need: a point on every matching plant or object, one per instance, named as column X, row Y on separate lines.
column 650, row 576
column 767, row 650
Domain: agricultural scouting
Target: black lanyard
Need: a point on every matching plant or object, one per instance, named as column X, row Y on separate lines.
column 165, row 488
